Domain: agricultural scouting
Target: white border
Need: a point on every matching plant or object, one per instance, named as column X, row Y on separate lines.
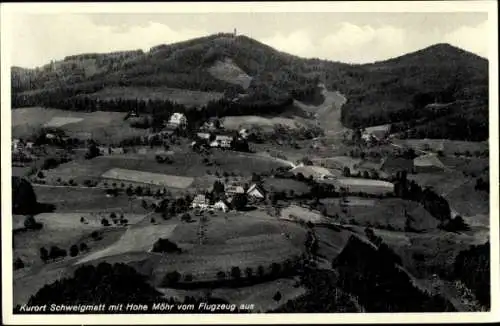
column 345, row 6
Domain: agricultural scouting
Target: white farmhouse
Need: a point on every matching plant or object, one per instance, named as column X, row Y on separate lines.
column 221, row 205
column 200, row 201
column 178, row 120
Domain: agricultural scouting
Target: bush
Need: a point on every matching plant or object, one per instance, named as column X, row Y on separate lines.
column 165, row 245
column 18, row 264
column 83, row 247
column 74, row 251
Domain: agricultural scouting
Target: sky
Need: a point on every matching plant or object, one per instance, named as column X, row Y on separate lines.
column 347, row 37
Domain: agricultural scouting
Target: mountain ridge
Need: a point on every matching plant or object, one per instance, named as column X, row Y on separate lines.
column 389, row 91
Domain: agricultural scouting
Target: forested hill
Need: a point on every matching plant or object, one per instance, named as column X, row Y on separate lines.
column 395, row 90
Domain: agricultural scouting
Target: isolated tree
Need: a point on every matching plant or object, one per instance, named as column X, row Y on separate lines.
column 95, row 235
column 105, row 222
column 40, row 175
column 346, row 172
column 73, row 251
column 31, row 224
column 171, row 278
column 83, row 247
column 249, row 272
column 277, row 296
column 44, row 254
column 82, row 219
column 235, row 273
column 188, row 277
column 221, row 276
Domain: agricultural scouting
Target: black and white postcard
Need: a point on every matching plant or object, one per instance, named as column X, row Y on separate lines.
column 251, row 162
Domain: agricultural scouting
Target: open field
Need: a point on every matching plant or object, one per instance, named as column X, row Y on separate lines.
column 105, row 127
column 449, row 147
column 331, row 242
column 186, row 97
column 72, row 199
column 267, row 124
column 338, row 162
column 381, row 213
column 135, row 239
column 59, row 229
column 61, row 121
column 328, row 112
column 297, row 213
column 287, row 185
column 228, row 71
column 148, row 177
column 354, row 185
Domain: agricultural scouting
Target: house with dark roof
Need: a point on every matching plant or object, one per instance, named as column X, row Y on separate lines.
column 256, row 191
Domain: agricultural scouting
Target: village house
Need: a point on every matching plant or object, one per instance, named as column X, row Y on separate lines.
column 221, row 205
column 257, row 192
column 233, row 189
column 222, row 141
column 376, row 133
column 16, row 144
column 200, row 201
column 177, row 120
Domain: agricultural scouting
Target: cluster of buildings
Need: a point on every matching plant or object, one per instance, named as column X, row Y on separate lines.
column 254, row 193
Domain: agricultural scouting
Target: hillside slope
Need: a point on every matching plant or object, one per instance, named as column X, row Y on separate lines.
column 390, row 91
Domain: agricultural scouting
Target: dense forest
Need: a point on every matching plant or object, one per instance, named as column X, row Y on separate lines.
column 472, row 267
column 380, row 284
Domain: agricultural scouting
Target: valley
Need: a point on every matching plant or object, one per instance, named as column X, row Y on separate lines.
column 247, row 181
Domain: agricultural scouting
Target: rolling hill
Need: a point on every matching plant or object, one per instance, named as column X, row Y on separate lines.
column 395, row 91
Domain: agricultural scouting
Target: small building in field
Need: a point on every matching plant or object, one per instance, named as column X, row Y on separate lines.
column 428, row 163
column 221, row 205
column 224, row 141
column 233, row 189
column 256, row 191
column 178, row 120
column 200, row 201
column 376, row 133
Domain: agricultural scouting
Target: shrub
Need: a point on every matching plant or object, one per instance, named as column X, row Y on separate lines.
column 83, row 247
column 171, row 278
column 18, row 264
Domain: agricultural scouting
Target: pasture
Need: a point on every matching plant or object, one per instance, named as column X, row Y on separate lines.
column 449, row 147
column 380, row 213
column 82, row 200
column 104, row 127
column 232, row 239
column 228, row 71
column 338, row 162
column 148, row 177
column 286, row 185
column 61, row 121
column 267, row 124
column 354, row 185
column 59, row 229
column 186, row 97
column 297, row 213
